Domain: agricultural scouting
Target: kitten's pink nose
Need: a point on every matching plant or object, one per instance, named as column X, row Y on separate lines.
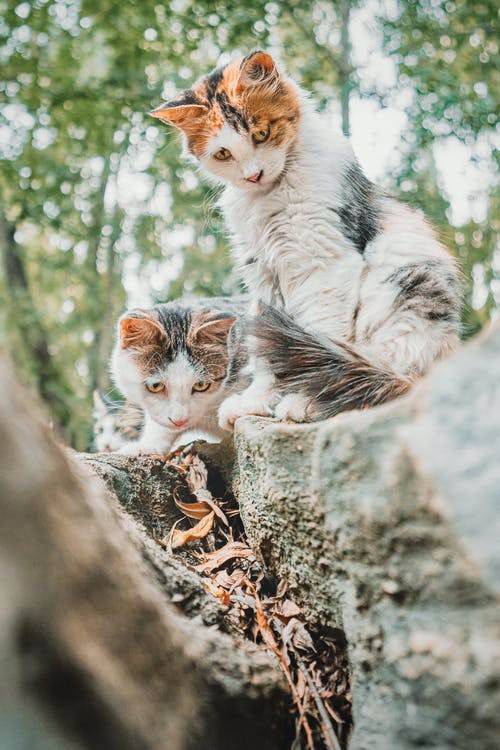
column 179, row 422
column 255, row 177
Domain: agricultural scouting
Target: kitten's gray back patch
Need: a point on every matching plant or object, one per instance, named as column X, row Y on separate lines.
column 429, row 289
column 359, row 212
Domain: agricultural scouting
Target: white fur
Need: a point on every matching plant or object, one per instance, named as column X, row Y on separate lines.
column 194, row 435
column 292, row 407
column 106, row 436
column 177, row 402
column 245, row 160
column 306, row 265
column 257, row 399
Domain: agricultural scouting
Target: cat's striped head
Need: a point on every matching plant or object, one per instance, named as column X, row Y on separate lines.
column 172, row 361
column 239, row 121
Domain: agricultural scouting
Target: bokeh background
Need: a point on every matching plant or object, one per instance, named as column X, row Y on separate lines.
column 98, row 209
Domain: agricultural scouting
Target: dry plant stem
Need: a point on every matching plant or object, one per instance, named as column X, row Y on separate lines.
column 277, row 627
column 328, row 732
column 270, row 641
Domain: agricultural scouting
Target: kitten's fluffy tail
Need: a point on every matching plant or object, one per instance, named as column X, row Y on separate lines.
column 332, row 374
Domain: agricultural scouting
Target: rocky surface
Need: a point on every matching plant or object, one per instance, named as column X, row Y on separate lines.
column 385, row 523
column 382, row 523
column 105, row 643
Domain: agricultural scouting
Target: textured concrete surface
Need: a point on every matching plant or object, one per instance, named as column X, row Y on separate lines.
column 386, row 524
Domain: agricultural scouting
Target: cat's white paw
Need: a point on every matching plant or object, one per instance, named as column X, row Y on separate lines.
column 130, row 449
column 242, row 405
column 293, row 408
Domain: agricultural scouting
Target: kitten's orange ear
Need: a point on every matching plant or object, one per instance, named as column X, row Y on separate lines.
column 182, row 112
column 208, row 330
column 256, row 69
column 137, row 332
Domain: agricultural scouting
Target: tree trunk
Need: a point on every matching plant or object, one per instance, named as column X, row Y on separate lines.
column 345, row 70
column 110, row 290
column 33, row 336
column 95, row 281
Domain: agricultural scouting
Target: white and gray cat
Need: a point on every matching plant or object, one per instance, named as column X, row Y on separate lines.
column 114, row 423
column 178, row 361
column 357, row 295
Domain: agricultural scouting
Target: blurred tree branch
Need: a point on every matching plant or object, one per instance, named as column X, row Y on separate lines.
column 25, row 317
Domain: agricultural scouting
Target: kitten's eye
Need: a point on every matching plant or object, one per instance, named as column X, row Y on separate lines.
column 261, row 135
column 155, row 387
column 223, row 154
column 201, row 385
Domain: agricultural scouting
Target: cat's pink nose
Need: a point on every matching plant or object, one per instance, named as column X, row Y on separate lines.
column 179, row 422
column 255, row 177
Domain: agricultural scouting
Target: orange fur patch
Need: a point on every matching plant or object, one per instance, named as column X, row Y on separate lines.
column 141, row 333
column 249, row 93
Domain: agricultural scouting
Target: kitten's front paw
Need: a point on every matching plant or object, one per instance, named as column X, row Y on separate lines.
column 293, row 408
column 241, row 405
column 131, row 449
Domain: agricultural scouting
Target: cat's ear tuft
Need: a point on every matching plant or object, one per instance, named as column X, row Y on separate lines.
column 181, row 111
column 256, row 69
column 211, row 329
column 137, row 331
column 100, row 407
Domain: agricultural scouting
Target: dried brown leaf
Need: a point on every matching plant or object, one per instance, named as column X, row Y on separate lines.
column 296, row 633
column 221, row 594
column 286, row 610
column 266, row 631
column 290, row 609
column 202, row 528
column 301, row 685
column 230, row 580
column 282, row 587
column 204, row 496
column 196, row 475
column 213, row 560
column 199, row 508
column 191, row 509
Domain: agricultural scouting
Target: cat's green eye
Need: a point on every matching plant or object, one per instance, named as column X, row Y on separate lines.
column 261, row 135
column 155, row 387
column 223, row 154
column 201, row 385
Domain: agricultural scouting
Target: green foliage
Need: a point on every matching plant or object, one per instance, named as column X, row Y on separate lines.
column 100, row 196
column 446, row 53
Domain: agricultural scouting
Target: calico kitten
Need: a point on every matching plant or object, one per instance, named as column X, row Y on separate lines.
column 114, row 423
column 177, row 362
column 358, row 295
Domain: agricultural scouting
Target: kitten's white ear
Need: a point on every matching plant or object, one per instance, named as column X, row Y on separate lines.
column 99, row 404
column 183, row 111
column 256, row 69
column 138, row 331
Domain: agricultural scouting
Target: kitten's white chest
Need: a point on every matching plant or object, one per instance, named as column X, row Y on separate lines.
column 292, row 254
